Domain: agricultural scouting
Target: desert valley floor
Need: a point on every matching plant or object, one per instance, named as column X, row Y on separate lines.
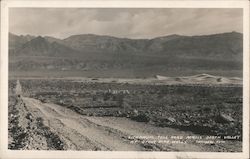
column 158, row 114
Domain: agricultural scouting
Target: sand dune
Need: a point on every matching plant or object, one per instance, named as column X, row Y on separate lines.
column 201, row 79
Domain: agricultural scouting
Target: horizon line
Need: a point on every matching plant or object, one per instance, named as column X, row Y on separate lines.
column 126, row 37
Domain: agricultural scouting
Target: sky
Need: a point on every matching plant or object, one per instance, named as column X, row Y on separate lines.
column 126, row 23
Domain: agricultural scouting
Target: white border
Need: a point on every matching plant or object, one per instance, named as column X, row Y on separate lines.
column 5, row 5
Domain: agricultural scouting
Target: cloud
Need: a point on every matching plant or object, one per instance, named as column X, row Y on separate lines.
column 131, row 23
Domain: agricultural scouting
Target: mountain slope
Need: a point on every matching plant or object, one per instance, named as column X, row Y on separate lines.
column 227, row 45
column 96, row 43
column 39, row 46
column 16, row 41
column 95, row 55
column 51, row 39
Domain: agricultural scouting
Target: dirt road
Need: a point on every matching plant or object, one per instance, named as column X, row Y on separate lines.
column 18, row 88
column 51, row 126
column 99, row 133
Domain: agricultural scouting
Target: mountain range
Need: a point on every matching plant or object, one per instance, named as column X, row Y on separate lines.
column 92, row 55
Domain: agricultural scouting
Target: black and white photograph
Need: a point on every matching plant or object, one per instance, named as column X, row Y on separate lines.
column 108, row 79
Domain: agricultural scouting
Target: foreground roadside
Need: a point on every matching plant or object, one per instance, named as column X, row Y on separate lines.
column 49, row 126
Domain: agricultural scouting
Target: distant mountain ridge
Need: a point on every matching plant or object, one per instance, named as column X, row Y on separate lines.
column 16, row 41
column 88, row 52
column 40, row 46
